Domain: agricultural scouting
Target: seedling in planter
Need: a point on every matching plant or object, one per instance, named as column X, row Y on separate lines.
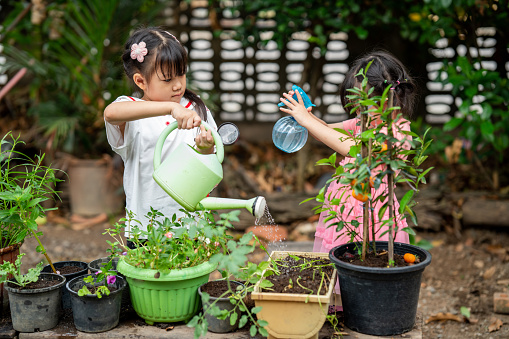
column 21, row 280
column 233, row 265
column 105, row 275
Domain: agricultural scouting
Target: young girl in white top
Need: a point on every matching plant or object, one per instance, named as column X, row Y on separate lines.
column 157, row 64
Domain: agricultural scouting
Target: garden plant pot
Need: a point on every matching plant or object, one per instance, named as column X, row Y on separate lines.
column 293, row 315
column 171, row 297
column 380, row 301
column 66, row 299
column 92, row 314
column 93, row 177
column 95, row 266
column 9, row 253
column 36, row 309
column 218, row 325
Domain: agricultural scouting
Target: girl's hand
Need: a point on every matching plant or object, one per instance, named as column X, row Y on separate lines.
column 186, row 118
column 294, row 108
column 204, row 141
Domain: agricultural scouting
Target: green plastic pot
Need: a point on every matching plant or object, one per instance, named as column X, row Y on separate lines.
column 171, row 297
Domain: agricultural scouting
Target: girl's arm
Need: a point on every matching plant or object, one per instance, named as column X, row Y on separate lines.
column 318, row 128
column 118, row 113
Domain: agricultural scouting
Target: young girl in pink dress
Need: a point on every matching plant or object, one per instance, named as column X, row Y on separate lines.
column 385, row 70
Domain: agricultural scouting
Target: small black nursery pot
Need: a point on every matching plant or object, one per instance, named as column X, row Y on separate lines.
column 82, row 269
column 93, row 314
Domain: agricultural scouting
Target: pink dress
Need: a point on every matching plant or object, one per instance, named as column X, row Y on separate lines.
column 327, row 237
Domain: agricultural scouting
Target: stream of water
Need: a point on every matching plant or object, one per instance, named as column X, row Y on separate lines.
column 267, row 222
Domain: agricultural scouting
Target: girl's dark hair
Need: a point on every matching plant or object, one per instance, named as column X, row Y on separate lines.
column 385, row 70
column 166, row 56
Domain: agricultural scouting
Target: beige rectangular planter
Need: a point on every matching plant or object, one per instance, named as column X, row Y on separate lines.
column 294, row 315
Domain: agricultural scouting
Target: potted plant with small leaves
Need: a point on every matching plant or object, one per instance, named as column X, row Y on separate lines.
column 96, row 299
column 34, row 297
column 225, row 301
column 377, row 300
column 170, row 261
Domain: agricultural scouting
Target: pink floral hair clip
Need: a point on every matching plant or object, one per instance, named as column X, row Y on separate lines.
column 138, row 51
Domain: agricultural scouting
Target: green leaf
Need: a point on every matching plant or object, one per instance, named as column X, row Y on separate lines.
column 233, row 318
column 465, row 312
column 252, row 330
column 404, row 201
column 243, row 321
column 255, row 310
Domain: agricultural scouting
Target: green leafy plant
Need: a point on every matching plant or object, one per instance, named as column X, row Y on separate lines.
column 174, row 243
column 98, row 285
column 25, row 183
column 14, row 269
column 233, row 264
column 378, row 157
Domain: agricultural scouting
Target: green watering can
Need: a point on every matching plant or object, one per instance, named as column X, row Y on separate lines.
column 188, row 176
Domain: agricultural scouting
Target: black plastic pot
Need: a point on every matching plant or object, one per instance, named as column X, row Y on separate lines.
column 218, row 325
column 66, row 299
column 380, row 301
column 92, row 314
column 95, row 266
column 36, row 309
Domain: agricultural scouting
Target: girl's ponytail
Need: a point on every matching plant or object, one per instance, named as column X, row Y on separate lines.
column 201, row 109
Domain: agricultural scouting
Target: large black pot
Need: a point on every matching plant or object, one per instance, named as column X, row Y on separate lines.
column 380, row 301
column 66, row 299
column 37, row 309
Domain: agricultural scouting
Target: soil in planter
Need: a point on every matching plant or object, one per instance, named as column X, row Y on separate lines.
column 380, row 259
column 295, row 280
column 69, row 269
column 216, row 289
column 41, row 283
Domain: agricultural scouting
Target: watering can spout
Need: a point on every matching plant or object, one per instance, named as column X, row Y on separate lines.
column 256, row 206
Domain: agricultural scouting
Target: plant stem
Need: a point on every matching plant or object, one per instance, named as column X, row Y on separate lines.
column 44, row 252
column 365, row 216
column 390, row 180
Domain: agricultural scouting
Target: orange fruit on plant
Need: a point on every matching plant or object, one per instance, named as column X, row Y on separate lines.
column 409, row 258
column 360, row 196
column 353, row 182
column 384, row 148
column 371, row 182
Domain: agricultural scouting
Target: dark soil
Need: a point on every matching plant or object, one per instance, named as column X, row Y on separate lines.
column 379, row 259
column 41, row 283
column 296, row 276
column 69, row 269
column 218, row 288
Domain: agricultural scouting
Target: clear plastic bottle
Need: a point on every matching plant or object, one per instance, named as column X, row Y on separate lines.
column 288, row 135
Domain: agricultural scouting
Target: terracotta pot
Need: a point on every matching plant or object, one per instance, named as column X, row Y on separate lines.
column 9, row 253
column 90, row 190
column 294, row 315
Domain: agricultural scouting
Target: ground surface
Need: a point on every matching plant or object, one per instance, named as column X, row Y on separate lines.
column 465, row 272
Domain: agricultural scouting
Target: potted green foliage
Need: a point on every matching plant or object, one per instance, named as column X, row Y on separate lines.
column 96, row 299
column 369, row 297
column 171, row 261
column 34, row 298
column 25, row 184
column 231, row 309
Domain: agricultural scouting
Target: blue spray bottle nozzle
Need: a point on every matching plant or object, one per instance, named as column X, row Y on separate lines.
column 305, row 98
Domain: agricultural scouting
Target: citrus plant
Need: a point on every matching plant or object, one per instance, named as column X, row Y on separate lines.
column 378, row 157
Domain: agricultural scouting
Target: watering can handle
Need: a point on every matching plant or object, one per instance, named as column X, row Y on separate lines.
column 174, row 125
